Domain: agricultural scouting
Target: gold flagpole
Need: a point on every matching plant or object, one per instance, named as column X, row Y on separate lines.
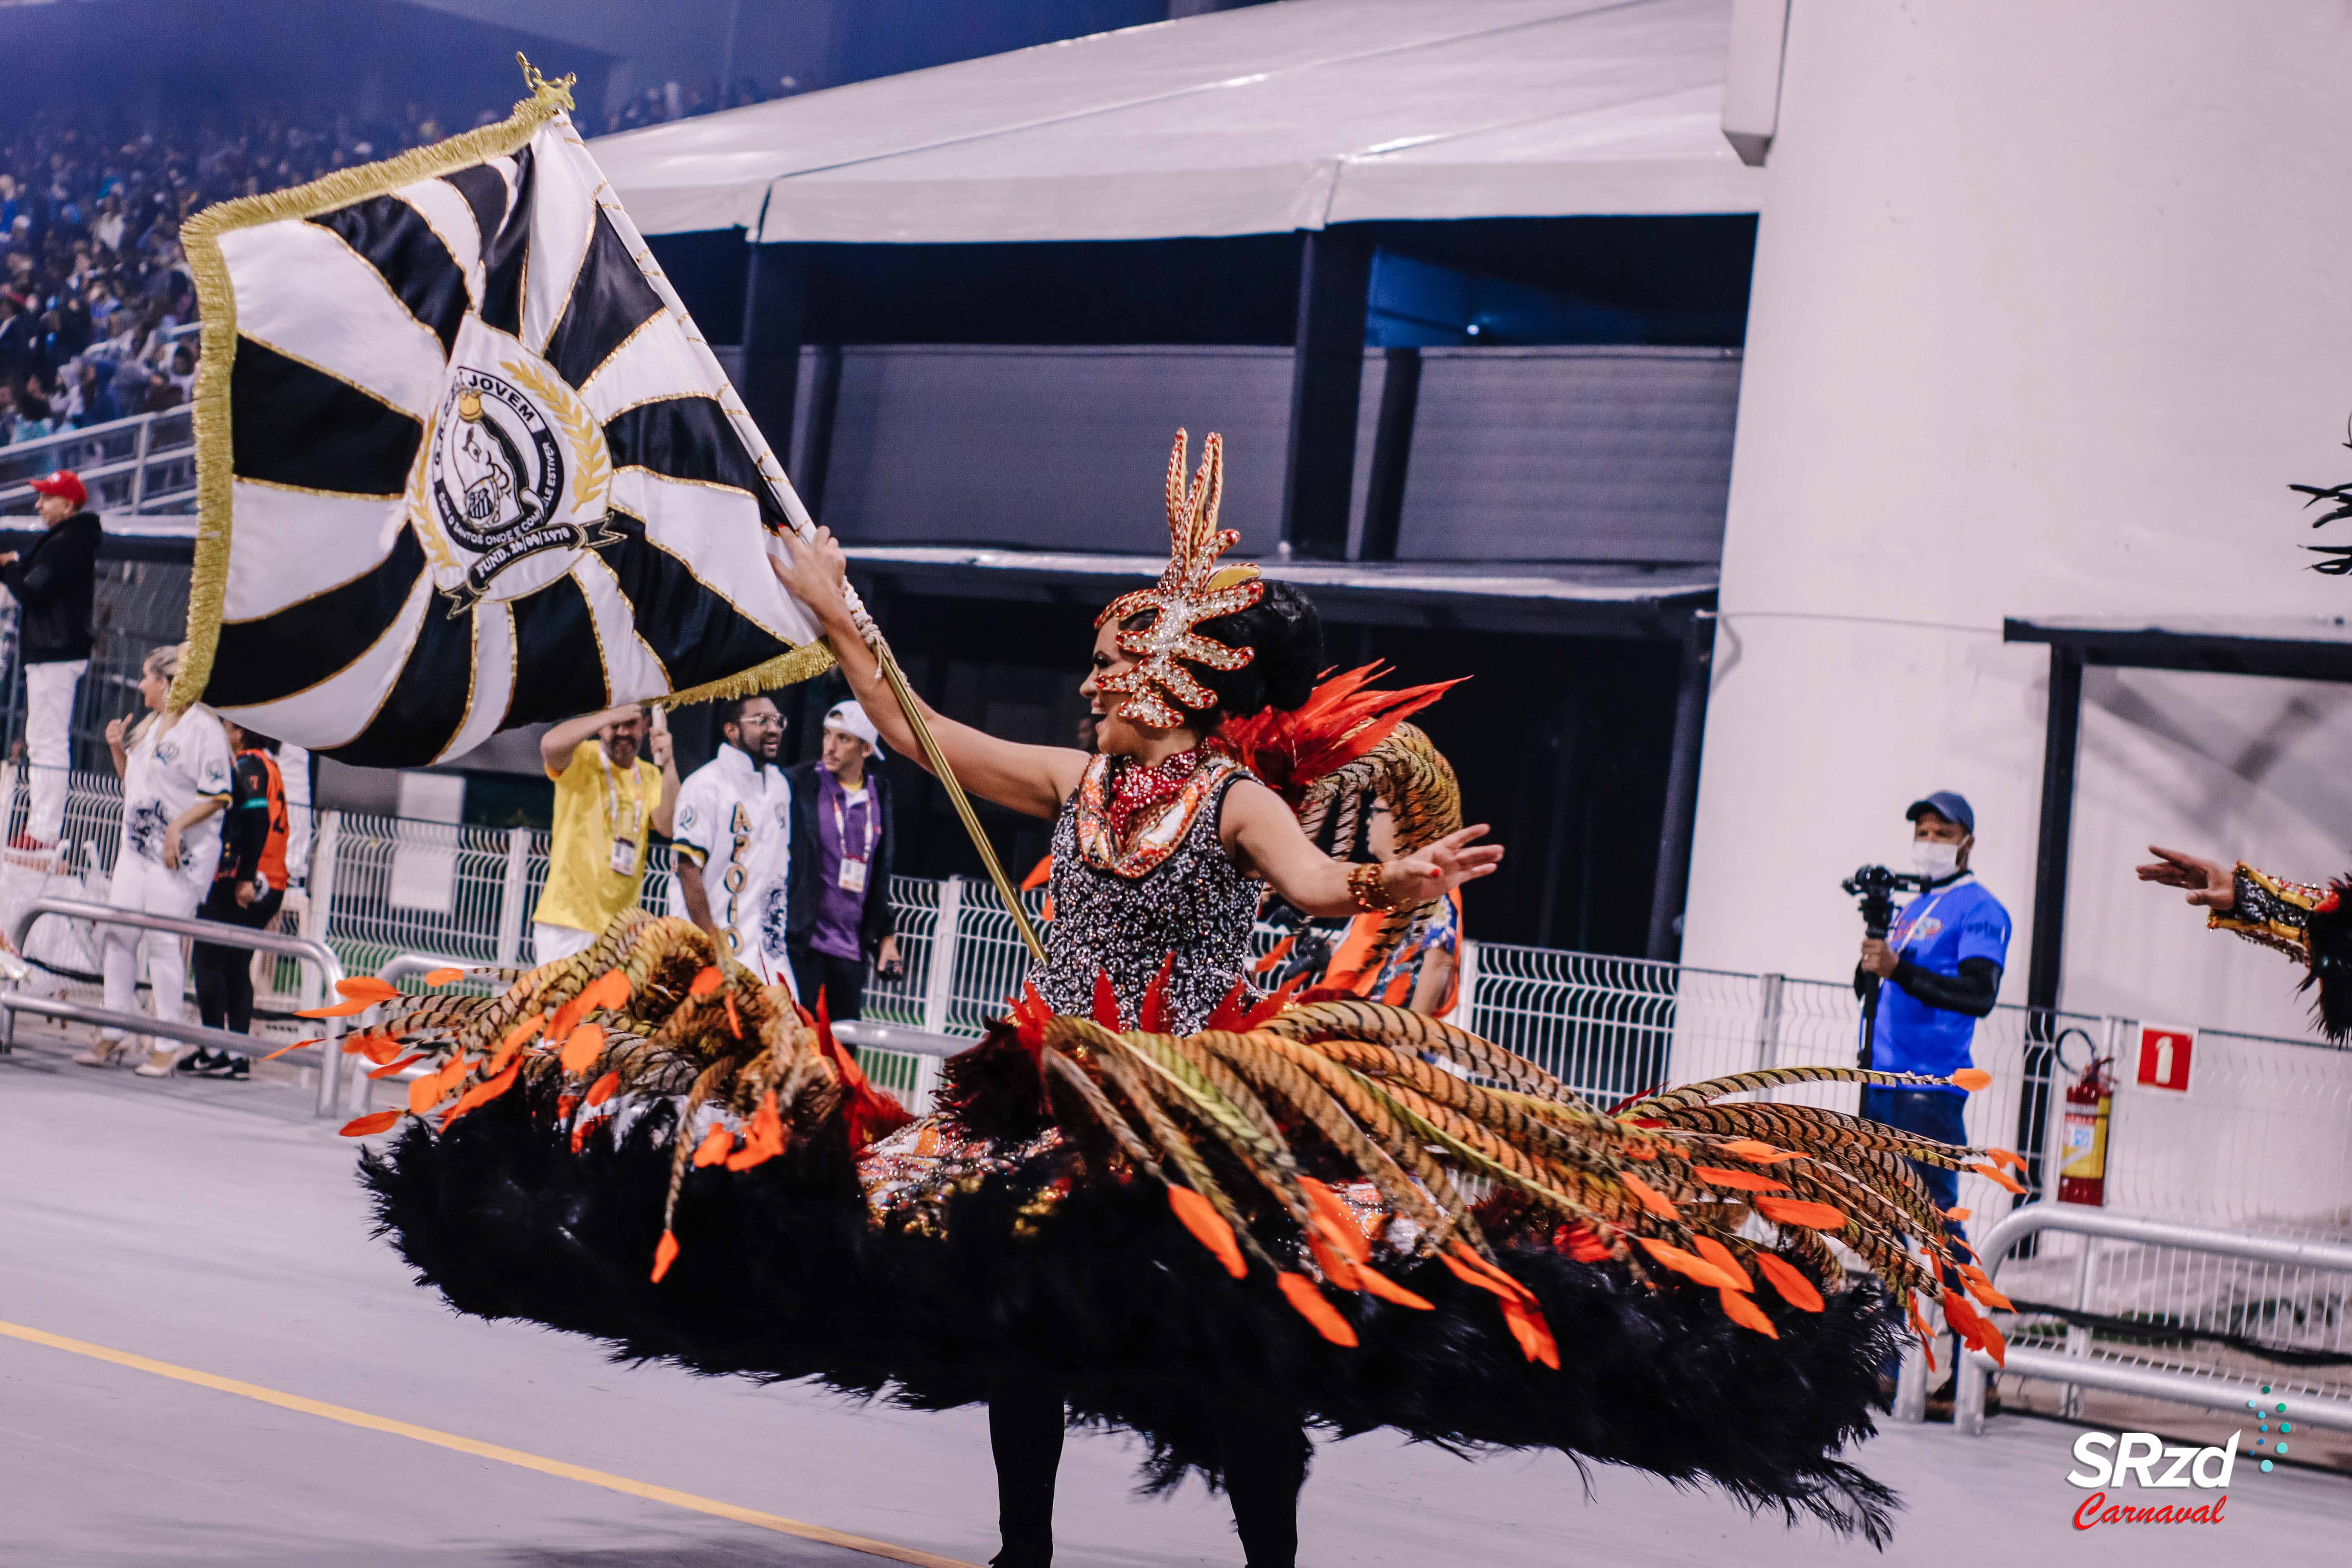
column 805, row 526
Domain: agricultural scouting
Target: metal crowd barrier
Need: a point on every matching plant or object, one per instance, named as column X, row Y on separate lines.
column 330, row 970
column 2286, row 1397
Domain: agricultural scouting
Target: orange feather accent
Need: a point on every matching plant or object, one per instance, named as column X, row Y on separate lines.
column 481, row 1094
column 1746, row 1313
column 1981, row 1286
column 1998, row 1176
column 1650, row 1197
column 375, row 1121
column 716, row 1146
column 1337, row 1266
column 706, row 981
column 1976, row 1332
column 1956, row 1214
column 368, row 988
column 338, row 1010
column 444, row 976
column 1309, row 1303
column 295, row 1047
column 2006, row 1157
column 1754, row 1152
column 1797, row 1211
column 1345, row 1233
column 585, row 1045
column 377, row 1049
column 763, row 1136
column 605, row 1088
column 665, row 1254
column 1533, row 1333
column 1341, row 721
column 425, row 1093
column 1746, row 1181
column 1483, row 1274
column 1684, row 1263
column 609, row 991
column 524, row 1030
column 1280, row 950
column 1715, row 1252
column 1791, row 1284
column 391, row 1067
column 734, row 1020
column 1972, row 1079
column 1200, row 1216
column 1273, row 1004
column 1375, row 1283
column 1584, row 1243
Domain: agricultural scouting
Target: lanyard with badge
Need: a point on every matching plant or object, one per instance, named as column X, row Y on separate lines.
column 852, row 866
column 624, row 837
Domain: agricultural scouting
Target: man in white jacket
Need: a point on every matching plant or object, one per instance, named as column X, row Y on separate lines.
column 733, row 840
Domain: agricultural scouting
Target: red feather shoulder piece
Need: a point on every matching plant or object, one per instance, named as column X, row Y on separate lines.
column 1341, row 721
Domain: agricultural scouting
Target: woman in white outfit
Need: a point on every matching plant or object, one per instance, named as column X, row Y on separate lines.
column 175, row 781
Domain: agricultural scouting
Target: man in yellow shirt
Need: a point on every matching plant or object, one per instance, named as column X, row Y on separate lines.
column 607, row 798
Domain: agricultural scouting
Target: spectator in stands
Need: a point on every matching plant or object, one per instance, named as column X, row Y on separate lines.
column 34, row 416
column 607, row 798
column 247, row 891
column 839, row 910
column 176, row 779
column 55, row 586
column 733, row 853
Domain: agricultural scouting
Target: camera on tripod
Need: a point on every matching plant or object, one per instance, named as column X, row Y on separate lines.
column 1875, row 887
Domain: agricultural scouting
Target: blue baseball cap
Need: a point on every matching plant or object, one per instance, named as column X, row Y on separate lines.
column 1949, row 804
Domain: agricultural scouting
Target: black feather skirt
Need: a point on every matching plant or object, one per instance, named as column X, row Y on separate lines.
column 782, row 1275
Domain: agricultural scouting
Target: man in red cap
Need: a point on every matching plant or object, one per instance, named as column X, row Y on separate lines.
column 54, row 582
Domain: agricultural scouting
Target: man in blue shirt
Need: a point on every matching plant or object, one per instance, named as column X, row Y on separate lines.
column 1938, row 971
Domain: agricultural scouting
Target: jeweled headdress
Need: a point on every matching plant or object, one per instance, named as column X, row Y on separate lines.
column 1193, row 588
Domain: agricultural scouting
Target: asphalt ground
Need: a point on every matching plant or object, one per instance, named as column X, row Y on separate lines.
column 206, row 1357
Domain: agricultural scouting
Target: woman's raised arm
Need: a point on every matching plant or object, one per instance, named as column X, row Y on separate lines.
column 1033, row 780
column 1265, row 838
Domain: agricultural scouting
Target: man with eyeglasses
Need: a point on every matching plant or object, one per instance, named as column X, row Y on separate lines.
column 732, row 853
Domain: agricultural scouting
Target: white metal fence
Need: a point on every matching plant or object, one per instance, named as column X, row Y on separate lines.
column 145, row 463
column 2261, row 1142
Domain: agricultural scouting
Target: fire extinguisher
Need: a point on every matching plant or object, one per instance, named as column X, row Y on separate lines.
column 2090, row 1099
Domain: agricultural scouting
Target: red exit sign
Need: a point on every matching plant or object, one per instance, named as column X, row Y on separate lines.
column 2164, row 1056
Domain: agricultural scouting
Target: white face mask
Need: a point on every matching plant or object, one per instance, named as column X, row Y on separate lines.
column 1934, row 859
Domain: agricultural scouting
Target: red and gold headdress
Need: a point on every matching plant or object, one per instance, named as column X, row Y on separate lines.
column 1193, row 588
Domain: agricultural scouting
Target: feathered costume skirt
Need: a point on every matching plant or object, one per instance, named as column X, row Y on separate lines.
column 1078, row 1235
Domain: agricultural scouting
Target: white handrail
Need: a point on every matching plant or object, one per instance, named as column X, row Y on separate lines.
column 330, row 969
column 2077, row 1367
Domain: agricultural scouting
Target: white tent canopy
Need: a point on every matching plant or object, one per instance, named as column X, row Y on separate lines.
column 1260, row 121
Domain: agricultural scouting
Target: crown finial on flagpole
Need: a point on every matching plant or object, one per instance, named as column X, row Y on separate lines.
column 557, row 92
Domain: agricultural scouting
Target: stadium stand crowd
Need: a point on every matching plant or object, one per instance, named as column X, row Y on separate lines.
column 95, row 293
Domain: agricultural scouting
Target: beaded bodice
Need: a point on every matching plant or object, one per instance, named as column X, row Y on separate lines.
column 1109, row 917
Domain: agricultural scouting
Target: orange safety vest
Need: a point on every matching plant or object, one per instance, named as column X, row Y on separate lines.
column 273, row 849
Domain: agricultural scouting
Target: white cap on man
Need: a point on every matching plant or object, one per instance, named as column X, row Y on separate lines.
column 850, row 719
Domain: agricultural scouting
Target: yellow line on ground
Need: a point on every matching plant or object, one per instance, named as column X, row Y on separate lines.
column 609, row 1481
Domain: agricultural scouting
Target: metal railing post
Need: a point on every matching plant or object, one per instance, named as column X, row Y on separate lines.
column 1465, row 1006
column 1767, row 1021
column 510, row 900
column 938, row 985
column 139, row 466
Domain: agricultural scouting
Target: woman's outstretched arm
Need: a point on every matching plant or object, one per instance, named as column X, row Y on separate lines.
column 1265, row 838
column 1033, row 780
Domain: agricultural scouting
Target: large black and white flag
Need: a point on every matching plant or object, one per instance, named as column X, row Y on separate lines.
column 465, row 461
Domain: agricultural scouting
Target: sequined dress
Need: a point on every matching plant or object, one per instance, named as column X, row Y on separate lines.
column 1123, row 909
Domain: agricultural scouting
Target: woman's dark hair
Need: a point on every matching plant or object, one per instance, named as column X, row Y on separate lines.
column 1288, row 636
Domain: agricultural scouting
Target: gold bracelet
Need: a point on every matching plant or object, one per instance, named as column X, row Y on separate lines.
column 1370, row 891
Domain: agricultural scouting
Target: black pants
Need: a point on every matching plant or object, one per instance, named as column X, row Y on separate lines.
column 1264, row 1463
column 842, row 979
column 223, row 973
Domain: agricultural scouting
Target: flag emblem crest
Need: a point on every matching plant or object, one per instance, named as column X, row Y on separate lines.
column 465, row 461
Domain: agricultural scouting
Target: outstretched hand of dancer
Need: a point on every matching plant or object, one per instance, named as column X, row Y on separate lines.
column 1434, row 872
column 2210, row 884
